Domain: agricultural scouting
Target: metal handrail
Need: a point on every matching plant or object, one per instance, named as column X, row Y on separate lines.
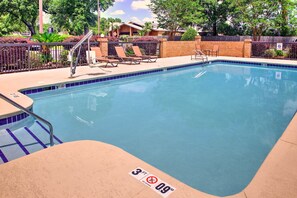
column 50, row 126
column 78, row 45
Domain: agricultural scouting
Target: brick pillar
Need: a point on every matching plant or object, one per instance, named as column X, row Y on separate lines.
column 198, row 39
column 163, row 48
column 103, row 43
column 247, row 48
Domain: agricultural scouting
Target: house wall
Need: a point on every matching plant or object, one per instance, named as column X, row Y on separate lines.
column 156, row 33
column 124, row 29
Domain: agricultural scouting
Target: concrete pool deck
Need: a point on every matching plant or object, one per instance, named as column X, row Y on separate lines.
column 76, row 169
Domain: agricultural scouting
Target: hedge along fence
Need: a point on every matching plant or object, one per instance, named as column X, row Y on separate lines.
column 16, row 57
column 269, row 50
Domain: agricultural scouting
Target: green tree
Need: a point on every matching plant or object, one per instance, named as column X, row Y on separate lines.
column 176, row 14
column 286, row 16
column 111, row 25
column 25, row 11
column 148, row 26
column 215, row 13
column 76, row 16
column 104, row 26
column 48, row 38
column 258, row 15
column 8, row 25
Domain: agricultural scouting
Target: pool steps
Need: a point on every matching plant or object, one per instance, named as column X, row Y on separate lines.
column 23, row 141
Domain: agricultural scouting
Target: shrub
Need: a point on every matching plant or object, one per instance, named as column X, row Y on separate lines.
column 13, row 40
column 129, row 51
column 124, row 38
column 279, row 52
column 75, row 39
column 270, row 53
column 189, row 35
column 48, row 38
column 35, row 59
column 64, row 57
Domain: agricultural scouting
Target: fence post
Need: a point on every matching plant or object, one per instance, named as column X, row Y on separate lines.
column 103, row 43
column 29, row 57
column 163, row 47
column 247, row 48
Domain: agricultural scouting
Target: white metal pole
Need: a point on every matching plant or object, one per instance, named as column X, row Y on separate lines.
column 40, row 17
column 98, row 10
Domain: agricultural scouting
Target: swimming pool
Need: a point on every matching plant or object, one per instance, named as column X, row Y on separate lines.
column 210, row 127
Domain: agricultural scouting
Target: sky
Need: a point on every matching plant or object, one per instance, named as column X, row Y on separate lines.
column 126, row 10
column 130, row 10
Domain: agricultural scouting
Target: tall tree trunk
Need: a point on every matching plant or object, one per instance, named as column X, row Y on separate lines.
column 214, row 29
column 285, row 18
column 86, row 29
column 171, row 35
column 254, row 34
column 30, row 27
column 257, row 33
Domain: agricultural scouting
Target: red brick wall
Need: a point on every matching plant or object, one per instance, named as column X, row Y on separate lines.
column 179, row 48
column 226, row 48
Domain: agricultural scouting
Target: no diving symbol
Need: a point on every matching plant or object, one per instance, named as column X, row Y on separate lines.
column 151, row 179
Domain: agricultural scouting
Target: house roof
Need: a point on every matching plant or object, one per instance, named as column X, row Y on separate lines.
column 140, row 26
column 133, row 26
column 137, row 24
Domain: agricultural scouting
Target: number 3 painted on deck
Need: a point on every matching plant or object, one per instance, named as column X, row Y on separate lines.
column 137, row 171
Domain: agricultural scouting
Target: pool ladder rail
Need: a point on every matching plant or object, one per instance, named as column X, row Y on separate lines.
column 78, row 46
column 37, row 117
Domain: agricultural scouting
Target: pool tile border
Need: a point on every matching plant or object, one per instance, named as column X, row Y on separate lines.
column 102, row 79
column 21, row 116
column 15, row 118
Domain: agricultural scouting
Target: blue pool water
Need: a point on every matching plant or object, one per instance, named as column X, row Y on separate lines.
column 210, row 127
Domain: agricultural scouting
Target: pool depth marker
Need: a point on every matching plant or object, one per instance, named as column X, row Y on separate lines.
column 152, row 181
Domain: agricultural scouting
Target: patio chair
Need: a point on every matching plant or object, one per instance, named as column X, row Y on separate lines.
column 100, row 58
column 123, row 58
column 147, row 58
column 198, row 54
column 215, row 50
